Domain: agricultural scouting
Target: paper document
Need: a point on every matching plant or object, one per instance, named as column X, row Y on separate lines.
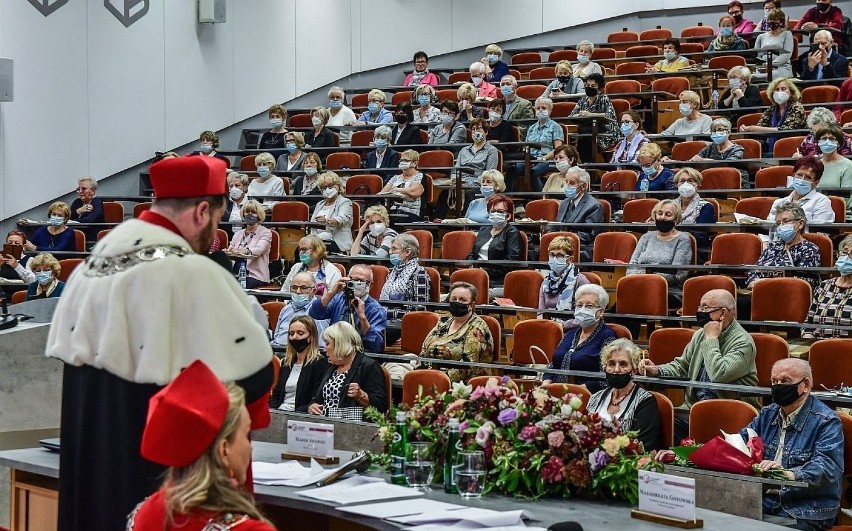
column 472, row 525
column 483, row 517
column 748, row 220
column 289, row 473
column 400, row 508
column 359, row 489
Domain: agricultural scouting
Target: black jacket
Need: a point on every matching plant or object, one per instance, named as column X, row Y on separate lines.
column 367, row 374
column 325, row 138
column 751, row 98
column 310, row 380
column 504, row 246
column 410, row 135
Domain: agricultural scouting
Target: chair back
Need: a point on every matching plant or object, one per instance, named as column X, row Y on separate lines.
column 223, row 237
column 772, row 177
column 102, row 233
column 831, row 362
column 273, row 311
column 423, row 382
column 688, row 149
column 618, row 181
column 666, row 344
column 496, row 335
column 820, row 94
column 403, row 96
column 752, row 149
column 113, row 212
column 519, row 60
column 638, row 210
column 543, row 72
column 542, row 333
column 66, row 267
column 559, row 390
column 18, row 297
column 79, row 241
column 614, row 245
column 622, row 36
column 673, row 85
column 642, row 50
column 434, row 284
column 364, row 184
column 361, row 138
column 291, row 211
column 697, row 31
column 531, row 92
column 838, row 205
column 457, row 244
column 477, row 277
column 415, row 327
column 721, row 179
column 380, row 276
column 769, row 348
column 424, row 242
column 758, row 207
column 786, row 147
column 621, row 331
column 708, row 417
column 558, row 55
column 749, row 119
column 631, row 67
column 644, row 294
column 726, row 61
column 655, row 34
column 343, row 160
column 523, row 287
column 138, row 208
column 562, row 109
column 303, row 119
column 542, row 209
column 695, row 287
column 825, row 246
column 780, row 299
column 665, row 409
column 735, row 248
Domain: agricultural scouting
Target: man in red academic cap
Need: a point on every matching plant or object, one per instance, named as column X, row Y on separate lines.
column 144, row 305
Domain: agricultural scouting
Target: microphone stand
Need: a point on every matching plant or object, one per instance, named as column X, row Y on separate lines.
column 6, row 320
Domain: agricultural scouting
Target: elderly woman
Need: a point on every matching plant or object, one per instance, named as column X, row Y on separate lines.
column 499, row 240
column 407, row 280
column 375, row 236
column 837, row 171
column 204, row 439
column 691, row 122
column 47, row 285
column 14, row 266
column 302, row 369
column 274, row 138
column 320, row 136
column 832, row 303
column 405, row 132
column 741, row 24
column 595, row 103
column 580, row 348
column 238, row 193
column 563, row 279
column 666, row 245
column 467, row 96
column 634, row 138
column 721, row 147
column 56, row 236
column 499, row 130
column 565, row 83
column 481, row 155
column 335, row 212
column 339, row 114
column 653, row 175
column 785, row 113
column 484, row 89
column 460, row 336
column 778, row 37
column 584, row 65
column 383, row 156
column 353, row 382
column 495, row 67
column 252, row 244
column 87, row 208
column 727, row 39
column 209, row 144
column 565, row 157
column 425, row 112
column 740, row 92
column 548, row 135
column 449, row 131
column 307, row 183
column 421, row 74
column 789, row 248
column 694, row 209
column 409, row 185
column 312, row 258
column 266, row 185
column 818, row 119
column 293, row 159
column 376, row 112
column 807, row 176
column 672, row 61
column 622, row 401
column 490, row 181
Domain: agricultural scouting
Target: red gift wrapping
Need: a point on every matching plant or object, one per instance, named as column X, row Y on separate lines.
column 720, row 456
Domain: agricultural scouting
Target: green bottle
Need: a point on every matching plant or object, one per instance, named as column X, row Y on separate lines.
column 453, row 442
column 399, row 450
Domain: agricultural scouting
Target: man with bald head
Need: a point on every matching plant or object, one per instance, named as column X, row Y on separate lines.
column 303, row 290
column 804, row 437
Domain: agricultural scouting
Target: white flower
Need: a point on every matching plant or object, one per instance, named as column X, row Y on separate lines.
column 575, row 402
column 566, row 410
column 492, row 383
column 461, row 390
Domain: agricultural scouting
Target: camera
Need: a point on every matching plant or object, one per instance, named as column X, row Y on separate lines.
column 349, row 291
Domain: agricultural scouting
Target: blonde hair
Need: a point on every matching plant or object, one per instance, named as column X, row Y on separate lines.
column 252, row 204
column 412, row 155
column 561, row 243
column 277, row 108
column 318, row 249
column 791, row 84
column 345, row 338
column 312, row 354
column 46, row 260
column 237, row 176
column 60, row 207
column 690, row 96
column 377, row 209
column 323, row 112
column 649, row 150
column 621, row 343
column 586, row 44
column 493, row 48
column 497, row 177
column 298, row 138
column 264, row 158
column 565, row 65
column 314, row 157
column 423, row 88
column 376, row 93
column 692, row 172
column 466, row 91
column 663, row 202
column 330, row 177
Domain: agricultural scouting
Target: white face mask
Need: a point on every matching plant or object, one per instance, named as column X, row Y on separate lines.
column 404, row 165
column 562, row 165
column 328, row 193
column 494, row 116
column 236, row 192
column 316, row 120
column 377, row 228
column 359, row 288
column 686, row 190
column 780, row 96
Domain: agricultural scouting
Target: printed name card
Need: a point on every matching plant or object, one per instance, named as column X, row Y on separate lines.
column 667, row 495
column 310, row 438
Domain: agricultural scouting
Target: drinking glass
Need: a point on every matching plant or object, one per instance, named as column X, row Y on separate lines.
column 469, row 474
column 420, row 466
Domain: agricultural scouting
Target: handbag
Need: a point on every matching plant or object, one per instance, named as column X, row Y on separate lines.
column 534, row 365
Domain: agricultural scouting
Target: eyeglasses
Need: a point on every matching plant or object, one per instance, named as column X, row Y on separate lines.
column 735, row 13
column 558, row 255
column 586, row 307
column 305, row 249
column 841, row 254
column 710, row 309
column 495, row 211
column 627, row 122
column 300, row 289
column 721, row 131
column 374, row 100
column 689, row 180
column 800, row 175
column 406, row 160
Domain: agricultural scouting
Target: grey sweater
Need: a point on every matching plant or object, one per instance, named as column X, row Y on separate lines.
column 653, row 250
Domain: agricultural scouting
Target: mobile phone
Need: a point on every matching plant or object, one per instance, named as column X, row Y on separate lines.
column 15, row 251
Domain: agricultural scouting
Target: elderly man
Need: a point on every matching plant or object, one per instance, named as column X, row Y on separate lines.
column 516, row 107
column 804, row 437
column 579, row 207
column 824, row 62
column 87, row 208
column 484, row 89
column 303, row 290
column 354, row 304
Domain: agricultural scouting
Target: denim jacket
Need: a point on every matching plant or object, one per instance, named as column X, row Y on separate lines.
column 813, row 451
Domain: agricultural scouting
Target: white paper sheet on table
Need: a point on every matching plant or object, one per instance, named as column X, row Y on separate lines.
column 288, row 473
column 400, row 508
column 471, row 525
column 483, row 517
column 359, row 489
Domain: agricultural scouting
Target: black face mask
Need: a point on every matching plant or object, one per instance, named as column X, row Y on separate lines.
column 786, row 394
column 591, row 92
column 774, row 26
column 300, row 344
column 618, row 381
column 664, row 225
column 823, row 8
column 401, row 119
column 738, row 18
column 459, row 309
column 702, row 318
column 563, row 79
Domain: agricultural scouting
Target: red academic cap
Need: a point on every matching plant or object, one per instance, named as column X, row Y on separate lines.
column 192, row 176
column 185, row 416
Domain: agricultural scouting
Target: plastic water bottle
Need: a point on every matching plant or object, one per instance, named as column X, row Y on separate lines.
column 399, row 450
column 715, row 99
column 453, row 440
column 243, row 275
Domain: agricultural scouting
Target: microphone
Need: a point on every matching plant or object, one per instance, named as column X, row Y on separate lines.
column 565, row 526
column 6, row 320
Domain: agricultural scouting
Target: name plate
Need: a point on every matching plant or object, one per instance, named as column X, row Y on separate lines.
column 665, row 495
column 310, row 438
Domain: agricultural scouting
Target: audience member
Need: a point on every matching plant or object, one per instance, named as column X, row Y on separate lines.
column 426, row 113
column 87, row 208
column 580, row 348
column 832, row 302
column 788, row 249
column 353, row 382
column 495, row 67
column 499, row 130
column 209, row 144
column 742, row 24
column 484, row 89
column 383, row 157
column 823, row 61
column 376, row 112
column 666, row 245
column 303, row 368
column 565, row 157
column 672, row 60
column 335, row 213
column 237, row 191
column 47, row 285
column 803, row 437
column 320, row 136
column 303, row 290
column 355, row 306
column 842, row 100
column 727, row 38
column 12, row 268
column 695, row 209
column 785, row 113
column 408, row 184
column 778, row 38
column 547, row 135
column 822, row 15
column 266, row 185
column 653, row 176
column 514, row 106
column 490, row 181
column 306, row 184
column 252, row 245
column 405, row 132
column 460, row 336
column 563, row 279
column 407, row 281
column 311, row 258
column 374, row 236
column 481, row 155
column 56, row 236
column 584, row 65
column 565, row 83
column 578, row 208
column 692, row 121
column 819, row 118
column 634, row 408
column 807, row 172
column 274, row 138
column 634, row 138
column 449, row 131
column 595, row 103
column 421, row 74
column 721, row 148
column 292, row 160
column 837, row 168
column 499, row 240
column 339, row 113
column 468, row 110
column 768, row 7
column 740, row 92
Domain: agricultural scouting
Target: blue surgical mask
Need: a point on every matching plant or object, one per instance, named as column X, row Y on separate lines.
column 206, row 148
column 251, row 219
column 493, row 58
column 735, row 83
column 44, row 277
column 802, row 187
column 275, row 123
column 785, row 232
column 291, row 147
column 649, row 170
column 447, row 119
column 506, row 90
column 685, row 109
column 718, row 137
column 570, row 191
column 56, row 221
column 844, row 265
column 669, row 55
column 305, row 258
column 395, row 259
column 726, row 31
column 542, row 115
column 487, row 191
column 497, row 219
column 583, row 59
column 263, row 171
column 373, row 107
column 300, row 300
column 335, row 104
column 557, row 265
column 424, row 99
column 626, row 129
column 380, row 142
column 827, row 146
column 585, row 317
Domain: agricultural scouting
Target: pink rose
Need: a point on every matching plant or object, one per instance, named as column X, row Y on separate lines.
column 555, row 439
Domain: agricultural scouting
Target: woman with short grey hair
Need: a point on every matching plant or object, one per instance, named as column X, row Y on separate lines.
column 407, row 281
column 740, row 92
column 721, row 147
column 820, row 118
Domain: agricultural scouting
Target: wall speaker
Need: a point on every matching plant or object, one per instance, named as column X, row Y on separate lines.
column 211, row 11
column 7, row 79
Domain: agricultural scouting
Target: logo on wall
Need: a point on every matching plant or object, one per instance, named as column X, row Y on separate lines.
column 126, row 11
column 46, row 7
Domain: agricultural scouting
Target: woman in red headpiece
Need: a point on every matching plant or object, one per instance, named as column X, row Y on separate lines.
column 204, row 439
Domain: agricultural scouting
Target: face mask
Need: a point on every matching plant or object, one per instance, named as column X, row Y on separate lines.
column 494, row 116
column 251, row 219
column 827, row 146
column 305, row 258
column 377, row 228
column 766, row 13
column 373, row 107
column 738, row 18
column 726, row 31
column 802, row 187
column 56, row 221
column 493, row 58
column 401, row 119
column 591, row 92
column 585, row 317
column 236, row 192
column 685, row 109
column 718, row 137
column 562, row 165
column 506, row 90
column 476, row 80
column 774, row 26
column 459, row 309
column 276, row 123
column 291, row 147
column 447, row 119
column 44, row 277
column 669, row 56
column 316, row 120
column 563, row 79
column 542, row 115
column 686, row 190
column 380, row 143
column 404, row 165
column 844, row 265
column 785, row 232
column 557, row 265
column 780, row 96
column 299, row 300
column 486, row 190
column 702, row 318
column 664, row 225
column 424, row 99
column 335, row 104
column 310, row 171
column 582, row 59
column 618, row 381
column 300, row 344
column 823, row 7
column 478, row 136
column 626, row 129
column 359, row 288
column 649, row 170
column 497, row 219
column 570, row 191
column 734, row 83
column 263, row 171
column 206, row 148
column 395, row 259
column 328, row 193
column 786, row 394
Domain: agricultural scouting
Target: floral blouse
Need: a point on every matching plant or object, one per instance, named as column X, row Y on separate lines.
column 794, row 119
column 804, row 254
column 832, row 305
column 609, row 131
column 472, row 342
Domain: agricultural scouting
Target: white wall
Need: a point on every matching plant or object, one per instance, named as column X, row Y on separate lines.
column 93, row 97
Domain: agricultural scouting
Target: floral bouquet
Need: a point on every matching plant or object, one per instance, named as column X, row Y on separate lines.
column 534, row 444
column 728, row 453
